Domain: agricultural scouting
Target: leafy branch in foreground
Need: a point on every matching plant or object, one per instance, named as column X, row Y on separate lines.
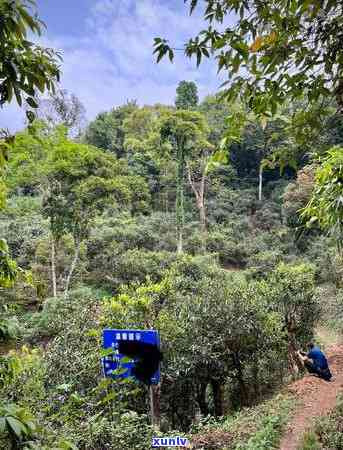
column 272, row 52
column 25, row 67
column 325, row 208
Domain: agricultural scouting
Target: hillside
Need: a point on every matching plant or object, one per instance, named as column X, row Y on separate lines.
column 164, row 260
column 94, row 238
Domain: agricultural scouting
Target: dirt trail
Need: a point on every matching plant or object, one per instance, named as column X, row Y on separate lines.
column 317, row 397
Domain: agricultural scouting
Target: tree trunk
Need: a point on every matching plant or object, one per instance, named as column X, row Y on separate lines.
column 179, row 199
column 72, row 267
column 53, row 266
column 295, row 364
column 199, row 192
column 201, row 398
column 240, row 378
column 155, row 412
column 217, row 390
column 202, row 213
column 260, row 183
column 256, row 381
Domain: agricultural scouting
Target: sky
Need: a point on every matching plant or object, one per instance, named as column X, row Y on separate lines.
column 107, row 48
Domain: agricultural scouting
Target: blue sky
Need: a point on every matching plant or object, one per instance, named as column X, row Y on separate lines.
column 107, row 52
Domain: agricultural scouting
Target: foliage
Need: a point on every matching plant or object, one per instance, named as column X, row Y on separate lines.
column 295, row 299
column 277, row 47
column 62, row 108
column 9, row 328
column 256, row 427
column 94, row 217
column 106, row 130
column 325, row 207
column 186, row 95
column 328, row 430
column 16, row 423
column 25, row 66
column 8, row 267
column 309, row 442
column 296, row 196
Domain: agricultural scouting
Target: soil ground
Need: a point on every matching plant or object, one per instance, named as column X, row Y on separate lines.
column 316, row 398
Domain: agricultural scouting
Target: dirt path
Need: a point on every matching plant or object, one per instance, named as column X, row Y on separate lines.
column 317, row 397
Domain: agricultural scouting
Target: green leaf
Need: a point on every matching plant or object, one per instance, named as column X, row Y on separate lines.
column 2, row 425
column 32, row 102
column 30, row 116
column 17, row 427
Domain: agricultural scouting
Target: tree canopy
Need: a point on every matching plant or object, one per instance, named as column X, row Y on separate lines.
column 271, row 52
column 186, row 95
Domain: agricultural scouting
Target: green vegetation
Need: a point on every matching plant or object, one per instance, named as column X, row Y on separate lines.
column 92, row 239
column 327, row 432
column 211, row 221
column 251, row 428
column 288, row 50
column 24, row 66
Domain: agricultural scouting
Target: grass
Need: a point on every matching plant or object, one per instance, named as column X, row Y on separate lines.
column 255, row 428
column 309, row 442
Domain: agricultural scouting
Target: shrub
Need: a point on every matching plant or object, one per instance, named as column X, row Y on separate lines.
column 51, row 320
column 329, row 429
column 309, row 442
column 16, row 425
column 9, row 328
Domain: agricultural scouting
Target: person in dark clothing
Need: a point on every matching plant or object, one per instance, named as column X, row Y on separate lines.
column 316, row 363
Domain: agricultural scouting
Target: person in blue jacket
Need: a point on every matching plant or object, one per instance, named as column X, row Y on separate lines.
column 317, row 363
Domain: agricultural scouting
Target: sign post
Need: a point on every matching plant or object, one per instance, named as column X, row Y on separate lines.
column 140, row 348
column 155, row 391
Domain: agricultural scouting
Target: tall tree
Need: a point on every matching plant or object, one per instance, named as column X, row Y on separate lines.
column 186, row 95
column 62, row 108
column 106, row 131
column 76, row 182
column 183, row 129
column 268, row 140
column 286, row 48
column 81, row 182
column 200, row 163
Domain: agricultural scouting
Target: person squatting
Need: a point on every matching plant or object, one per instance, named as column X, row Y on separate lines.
column 315, row 362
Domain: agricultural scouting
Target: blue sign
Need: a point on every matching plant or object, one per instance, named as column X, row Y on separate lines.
column 117, row 365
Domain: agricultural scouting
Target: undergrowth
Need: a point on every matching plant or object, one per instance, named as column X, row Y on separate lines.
column 255, row 428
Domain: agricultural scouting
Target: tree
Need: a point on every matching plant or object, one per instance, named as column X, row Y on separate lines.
column 25, row 67
column 297, row 195
column 62, row 108
column 216, row 112
column 106, row 130
column 145, row 151
column 286, row 49
column 81, row 182
column 183, row 129
column 268, row 140
column 294, row 299
column 325, row 208
column 199, row 166
column 76, row 181
column 186, row 95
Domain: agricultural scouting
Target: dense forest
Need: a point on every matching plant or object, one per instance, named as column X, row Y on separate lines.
column 216, row 225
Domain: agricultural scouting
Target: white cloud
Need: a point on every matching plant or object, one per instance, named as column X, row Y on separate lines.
column 114, row 62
